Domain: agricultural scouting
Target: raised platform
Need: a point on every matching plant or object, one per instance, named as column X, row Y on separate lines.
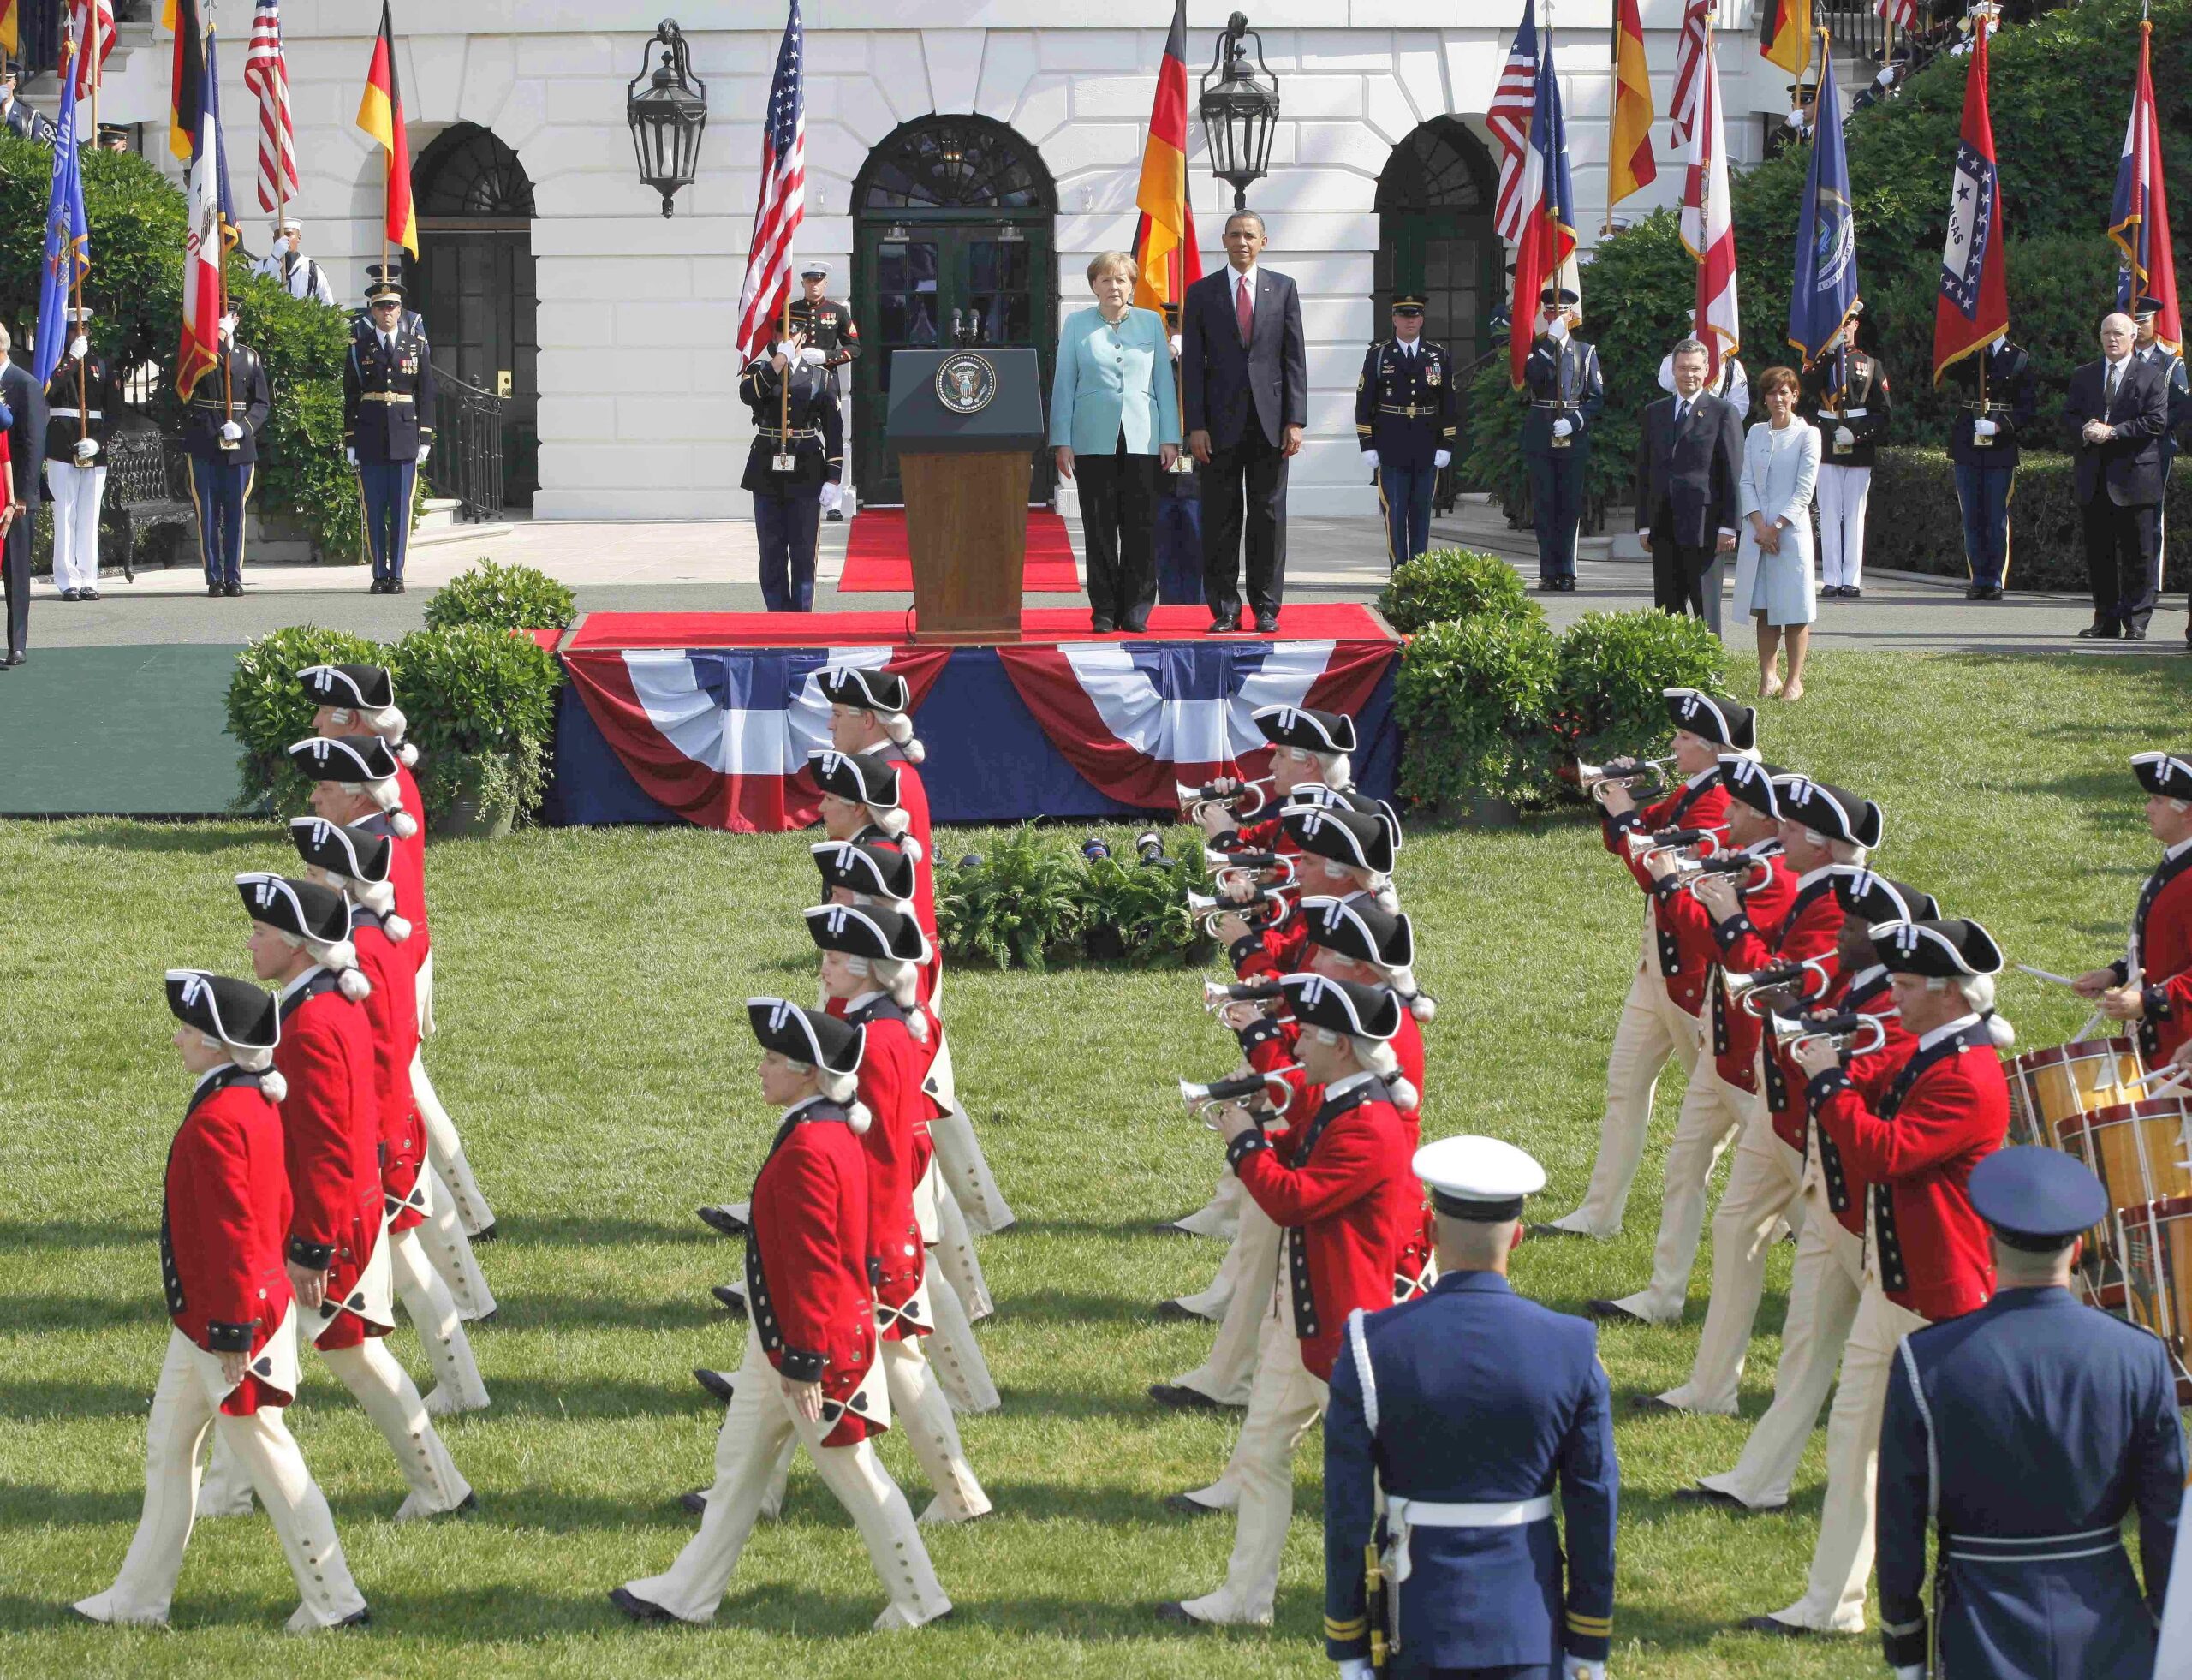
column 709, row 718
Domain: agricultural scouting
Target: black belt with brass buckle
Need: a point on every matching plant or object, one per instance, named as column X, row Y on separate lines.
column 1409, row 412
column 791, row 437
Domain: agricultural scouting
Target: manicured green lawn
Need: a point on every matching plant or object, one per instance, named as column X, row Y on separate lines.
column 594, row 1052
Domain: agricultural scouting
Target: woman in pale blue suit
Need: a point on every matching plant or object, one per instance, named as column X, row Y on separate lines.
column 1114, row 421
column 1773, row 569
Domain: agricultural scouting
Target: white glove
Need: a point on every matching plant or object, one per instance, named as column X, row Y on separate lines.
column 1582, row 1668
column 1354, row 1668
column 1370, row 459
column 350, row 456
column 812, row 356
column 1562, row 426
column 1844, row 436
column 1442, row 457
column 1885, row 78
column 1983, row 427
column 1912, row 1671
column 1556, row 328
column 232, row 432
column 1175, row 343
column 86, row 448
column 424, row 450
column 1794, row 120
column 79, row 347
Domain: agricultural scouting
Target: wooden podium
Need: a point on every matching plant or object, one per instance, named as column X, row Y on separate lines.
column 966, row 423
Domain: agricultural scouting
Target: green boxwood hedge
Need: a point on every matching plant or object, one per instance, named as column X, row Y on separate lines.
column 504, row 597
column 1449, row 583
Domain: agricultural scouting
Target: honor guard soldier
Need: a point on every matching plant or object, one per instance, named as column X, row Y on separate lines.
column 1462, row 1575
column 2150, row 985
column 799, row 445
column 231, row 1362
column 19, row 118
column 1179, row 509
column 2148, row 347
column 1406, row 410
column 2002, row 398
column 1567, row 393
column 299, row 275
column 829, row 328
column 1915, row 1136
column 388, row 419
column 812, row 1372
column 2030, row 1576
column 82, row 401
column 221, row 423
column 1846, row 396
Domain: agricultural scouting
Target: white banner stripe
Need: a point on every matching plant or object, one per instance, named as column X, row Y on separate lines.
column 1192, row 731
column 736, row 741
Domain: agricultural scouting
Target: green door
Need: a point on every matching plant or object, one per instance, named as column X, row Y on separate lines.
column 915, row 274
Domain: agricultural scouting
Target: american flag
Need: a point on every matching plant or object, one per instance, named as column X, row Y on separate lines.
column 94, row 21
column 1509, row 119
column 266, row 73
column 1900, row 14
column 783, row 200
column 1689, row 57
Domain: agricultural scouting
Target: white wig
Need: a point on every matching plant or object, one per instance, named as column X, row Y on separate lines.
column 379, row 897
column 901, row 980
column 894, row 824
column 900, row 728
column 390, row 797
column 1376, row 1056
column 252, row 1058
column 390, row 724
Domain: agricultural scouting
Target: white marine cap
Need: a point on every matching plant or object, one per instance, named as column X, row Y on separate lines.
column 1480, row 1178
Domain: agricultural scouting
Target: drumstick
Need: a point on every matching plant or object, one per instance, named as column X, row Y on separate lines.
column 2043, row 974
column 2170, row 1079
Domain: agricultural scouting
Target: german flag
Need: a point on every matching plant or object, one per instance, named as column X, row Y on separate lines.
column 1784, row 34
column 380, row 114
column 11, row 27
column 1164, row 240
column 183, row 99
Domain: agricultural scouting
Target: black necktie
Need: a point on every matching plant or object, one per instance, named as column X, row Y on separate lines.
column 2108, row 395
column 1682, row 412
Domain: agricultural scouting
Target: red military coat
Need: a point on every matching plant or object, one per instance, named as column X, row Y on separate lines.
column 1872, row 994
column 223, row 1219
column 392, row 1013
column 331, row 1126
column 1806, row 932
column 891, row 1069
column 806, row 1287
column 1683, row 944
column 1735, row 1031
column 1700, row 802
column 912, row 799
column 408, row 869
column 1349, row 1203
column 2161, row 933
column 1945, row 1111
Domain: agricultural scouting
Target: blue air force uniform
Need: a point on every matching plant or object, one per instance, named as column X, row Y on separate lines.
column 2026, row 1430
column 388, row 422
column 1566, row 388
column 1405, row 414
column 788, row 506
column 1465, row 1405
column 231, row 394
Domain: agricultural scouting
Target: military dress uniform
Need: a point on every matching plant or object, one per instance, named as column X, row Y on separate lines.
column 2031, row 1576
column 1847, row 392
column 787, row 505
column 387, row 427
column 1568, row 392
column 82, row 402
column 829, row 327
column 23, row 122
column 2160, row 946
column 1406, row 411
column 221, row 423
column 1466, row 1443
column 225, row 1219
column 2180, row 410
column 1985, row 461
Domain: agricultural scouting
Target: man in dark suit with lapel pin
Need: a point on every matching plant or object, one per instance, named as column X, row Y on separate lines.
column 1689, row 454
column 26, row 401
column 2117, row 411
column 1245, row 380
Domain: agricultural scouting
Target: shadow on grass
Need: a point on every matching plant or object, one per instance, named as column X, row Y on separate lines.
column 195, row 837
column 16, row 1235
column 50, row 1400
column 1077, row 1306
column 79, row 1311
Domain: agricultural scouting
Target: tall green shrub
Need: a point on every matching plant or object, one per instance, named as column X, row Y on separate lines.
column 1608, row 694
column 507, row 597
column 267, row 710
column 1454, row 583
column 482, row 708
column 1471, row 698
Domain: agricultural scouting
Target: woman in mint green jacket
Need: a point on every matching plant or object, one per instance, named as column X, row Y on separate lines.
column 1114, row 422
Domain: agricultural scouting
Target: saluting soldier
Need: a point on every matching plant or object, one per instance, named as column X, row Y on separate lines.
column 82, row 401
column 829, row 328
column 221, row 423
column 1984, row 440
column 2031, row 1576
column 231, row 1363
column 1405, row 414
column 388, row 419
column 1431, row 1408
column 20, row 119
column 1567, row 393
column 1846, row 396
column 799, row 445
column 2150, row 985
column 299, row 275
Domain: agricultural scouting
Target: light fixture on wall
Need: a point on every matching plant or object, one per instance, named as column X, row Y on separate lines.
column 1239, row 113
column 667, row 117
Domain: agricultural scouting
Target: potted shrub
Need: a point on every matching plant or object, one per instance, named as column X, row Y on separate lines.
column 482, row 705
column 1608, row 694
column 267, row 710
column 502, row 598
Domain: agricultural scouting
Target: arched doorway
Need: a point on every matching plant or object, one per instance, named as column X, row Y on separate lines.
column 474, row 278
column 950, row 213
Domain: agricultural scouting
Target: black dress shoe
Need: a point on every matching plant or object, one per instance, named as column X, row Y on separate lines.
column 1702, row 1495
column 1548, row 586
column 1170, row 1311
column 72, row 594
column 16, row 656
column 715, row 1218
column 362, row 1617
column 1133, row 626
column 835, row 516
column 2135, row 635
column 395, row 586
column 731, row 1299
column 1776, row 1628
column 696, row 1501
column 1181, row 1505
column 2105, row 631
column 1612, row 1312
column 87, row 594
column 1224, row 625
column 214, row 591
column 1266, row 623
column 638, row 1608
column 233, row 590
column 714, row 1381
column 1851, row 591
column 1182, row 1399
column 1102, row 626
column 1177, row 1613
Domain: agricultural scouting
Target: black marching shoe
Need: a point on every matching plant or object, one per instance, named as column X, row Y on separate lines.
column 1179, row 1614
column 637, row 1608
column 2106, row 629
column 715, row 1382
column 1186, row 1505
column 731, row 1301
column 362, row 1617
column 1777, row 1628
column 1170, row 1311
column 721, row 1219
column 487, row 1234
column 695, row 1501
column 1653, row 1404
column 1182, row 1399
column 1612, row 1312
column 1535, row 1231
column 1702, row 1495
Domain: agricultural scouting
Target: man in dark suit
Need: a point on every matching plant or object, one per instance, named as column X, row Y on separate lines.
column 1689, row 457
column 26, row 401
column 2117, row 411
column 1245, row 381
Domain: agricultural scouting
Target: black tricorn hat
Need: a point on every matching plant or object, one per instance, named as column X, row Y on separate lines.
column 872, row 930
column 1863, row 891
column 872, row 870
column 862, row 685
column 1937, row 950
column 305, row 909
column 1341, row 1006
column 1344, row 837
column 2169, row 774
column 240, row 1015
column 1753, row 782
column 1311, row 731
column 1829, row 810
column 805, row 1035
column 1357, row 927
column 856, row 776
column 362, row 688
column 344, row 757
column 1722, row 722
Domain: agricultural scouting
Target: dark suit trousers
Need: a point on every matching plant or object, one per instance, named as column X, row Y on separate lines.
column 15, row 571
column 1118, row 528
column 1251, row 474
column 1678, row 571
column 2121, row 563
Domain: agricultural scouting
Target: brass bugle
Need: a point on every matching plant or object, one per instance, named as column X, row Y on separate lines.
column 1208, row 1099
column 1852, row 1035
column 1756, row 872
column 1750, row 989
column 1271, row 902
column 1225, row 794
column 1642, row 845
column 1215, row 997
column 1622, row 772
column 1246, row 866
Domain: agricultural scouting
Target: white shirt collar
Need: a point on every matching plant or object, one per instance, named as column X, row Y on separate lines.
column 2177, row 850
column 2118, row 366
column 1817, row 874
column 296, row 985
column 1341, row 1087
column 1703, row 778
column 1929, row 1041
column 1239, row 279
column 207, row 1077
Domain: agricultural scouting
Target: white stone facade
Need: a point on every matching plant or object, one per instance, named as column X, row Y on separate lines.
column 638, row 416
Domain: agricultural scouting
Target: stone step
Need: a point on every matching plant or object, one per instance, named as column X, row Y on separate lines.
column 458, row 532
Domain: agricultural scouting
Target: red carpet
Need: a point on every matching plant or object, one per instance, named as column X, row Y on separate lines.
column 877, row 562
column 1336, row 621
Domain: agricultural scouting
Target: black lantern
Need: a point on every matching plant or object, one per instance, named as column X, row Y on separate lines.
column 1240, row 112
column 667, row 118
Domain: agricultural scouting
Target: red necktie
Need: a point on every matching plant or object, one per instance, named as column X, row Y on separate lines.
column 1244, row 316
